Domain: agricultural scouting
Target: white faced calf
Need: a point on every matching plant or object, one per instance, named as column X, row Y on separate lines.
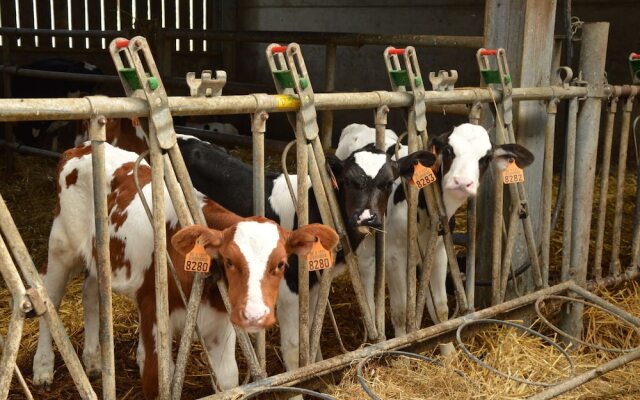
column 464, row 155
column 254, row 252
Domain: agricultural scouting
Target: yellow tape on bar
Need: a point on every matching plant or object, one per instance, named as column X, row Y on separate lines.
column 287, row 102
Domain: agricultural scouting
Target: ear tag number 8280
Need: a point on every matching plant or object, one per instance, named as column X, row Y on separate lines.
column 512, row 174
column 422, row 176
column 197, row 260
column 319, row 257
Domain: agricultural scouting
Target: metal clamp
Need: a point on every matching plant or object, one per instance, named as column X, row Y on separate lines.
column 38, row 302
column 443, row 81
column 146, row 84
column 406, row 79
column 290, row 76
column 206, row 86
column 499, row 75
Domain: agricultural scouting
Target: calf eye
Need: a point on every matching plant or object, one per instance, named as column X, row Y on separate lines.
column 228, row 264
column 448, row 151
column 282, row 265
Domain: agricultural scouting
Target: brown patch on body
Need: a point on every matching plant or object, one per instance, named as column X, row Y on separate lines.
column 121, row 133
column 70, row 154
column 123, row 191
column 71, row 178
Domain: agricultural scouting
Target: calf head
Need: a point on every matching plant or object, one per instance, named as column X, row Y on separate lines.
column 254, row 254
column 464, row 155
column 365, row 180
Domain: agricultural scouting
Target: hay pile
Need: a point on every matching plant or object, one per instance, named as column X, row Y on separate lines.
column 513, row 352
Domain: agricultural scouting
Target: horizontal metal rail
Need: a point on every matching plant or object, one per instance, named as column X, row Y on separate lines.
column 121, row 107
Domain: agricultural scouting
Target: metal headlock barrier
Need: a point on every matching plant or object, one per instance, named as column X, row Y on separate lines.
column 148, row 99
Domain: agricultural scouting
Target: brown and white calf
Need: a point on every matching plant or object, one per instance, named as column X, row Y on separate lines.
column 254, row 252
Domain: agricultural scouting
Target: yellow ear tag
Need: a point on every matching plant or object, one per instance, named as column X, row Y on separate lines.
column 197, row 260
column 512, row 174
column 319, row 257
column 422, row 176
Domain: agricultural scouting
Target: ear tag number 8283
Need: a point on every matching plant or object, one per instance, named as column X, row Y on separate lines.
column 512, row 174
column 422, row 176
column 197, row 260
column 319, row 257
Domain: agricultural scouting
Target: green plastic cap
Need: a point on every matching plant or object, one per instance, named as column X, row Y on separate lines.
column 304, row 83
column 153, row 83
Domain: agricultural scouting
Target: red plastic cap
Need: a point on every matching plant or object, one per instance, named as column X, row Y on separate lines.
column 635, row 56
column 120, row 43
column 396, row 51
column 278, row 49
column 487, row 52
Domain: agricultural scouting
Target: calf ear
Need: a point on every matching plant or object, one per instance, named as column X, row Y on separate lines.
column 301, row 240
column 334, row 166
column 406, row 164
column 503, row 153
column 184, row 240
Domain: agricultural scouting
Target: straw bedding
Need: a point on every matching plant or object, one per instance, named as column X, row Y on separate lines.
column 30, row 195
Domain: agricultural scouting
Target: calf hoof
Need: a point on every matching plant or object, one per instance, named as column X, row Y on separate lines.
column 92, row 364
column 43, row 370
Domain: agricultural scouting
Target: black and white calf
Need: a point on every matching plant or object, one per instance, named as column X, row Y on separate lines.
column 365, row 180
column 464, row 155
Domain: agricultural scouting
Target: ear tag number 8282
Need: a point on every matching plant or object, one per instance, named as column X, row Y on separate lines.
column 319, row 257
column 512, row 174
column 422, row 176
column 197, row 260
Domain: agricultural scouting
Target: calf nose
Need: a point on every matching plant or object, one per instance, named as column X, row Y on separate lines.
column 254, row 313
column 462, row 182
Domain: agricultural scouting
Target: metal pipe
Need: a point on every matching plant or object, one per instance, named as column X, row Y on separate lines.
column 19, row 376
column 336, row 363
column 34, row 281
column 585, row 377
column 380, row 120
column 614, row 266
column 412, row 229
column 496, row 246
column 472, row 212
column 97, row 135
column 330, row 86
column 11, row 347
column 604, row 186
column 125, row 107
column 547, row 188
column 617, row 311
column 302, row 196
column 508, row 251
column 19, row 148
column 594, row 45
column 569, row 178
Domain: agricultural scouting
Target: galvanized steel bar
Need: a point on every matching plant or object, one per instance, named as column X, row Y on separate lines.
column 34, row 281
column 617, row 311
column 329, row 87
column 336, row 363
column 604, row 185
column 470, row 274
column 163, row 336
column 19, row 376
column 380, row 119
column 97, row 135
column 508, row 251
column 124, row 107
column 496, row 243
column 592, row 65
column 302, row 211
column 587, row 376
column 412, row 229
column 569, row 179
column 614, row 266
column 547, row 186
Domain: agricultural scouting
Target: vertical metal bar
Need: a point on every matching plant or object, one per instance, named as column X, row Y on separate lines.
column 10, row 350
column 569, row 175
column 427, row 260
column 508, row 251
column 163, row 339
column 330, row 86
column 412, row 229
column 496, row 243
column 547, row 188
column 21, row 255
column 635, row 243
column 592, row 63
column 302, row 163
column 97, row 134
column 604, row 186
column 16, row 370
column 380, row 283
column 614, row 266
column 472, row 213
column 257, row 132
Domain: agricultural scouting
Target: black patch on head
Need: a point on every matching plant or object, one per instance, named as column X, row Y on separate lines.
column 521, row 155
column 485, row 161
column 443, row 150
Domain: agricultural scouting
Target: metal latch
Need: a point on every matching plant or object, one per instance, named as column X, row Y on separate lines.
column 206, row 86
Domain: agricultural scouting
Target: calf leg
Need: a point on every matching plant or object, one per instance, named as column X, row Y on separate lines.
column 437, row 296
column 60, row 263
column 221, row 345
column 91, row 356
column 287, row 312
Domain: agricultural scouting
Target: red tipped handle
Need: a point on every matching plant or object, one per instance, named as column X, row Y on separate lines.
column 278, row 49
column 488, row 52
column 635, row 56
column 396, row 51
column 120, row 43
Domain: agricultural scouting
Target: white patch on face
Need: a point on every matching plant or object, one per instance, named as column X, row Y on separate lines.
column 365, row 216
column 356, row 136
column 256, row 241
column 371, row 163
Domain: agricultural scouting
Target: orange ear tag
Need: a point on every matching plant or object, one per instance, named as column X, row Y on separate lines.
column 422, row 176
column 512, row 174
column 319, row 257
column 197, row 260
